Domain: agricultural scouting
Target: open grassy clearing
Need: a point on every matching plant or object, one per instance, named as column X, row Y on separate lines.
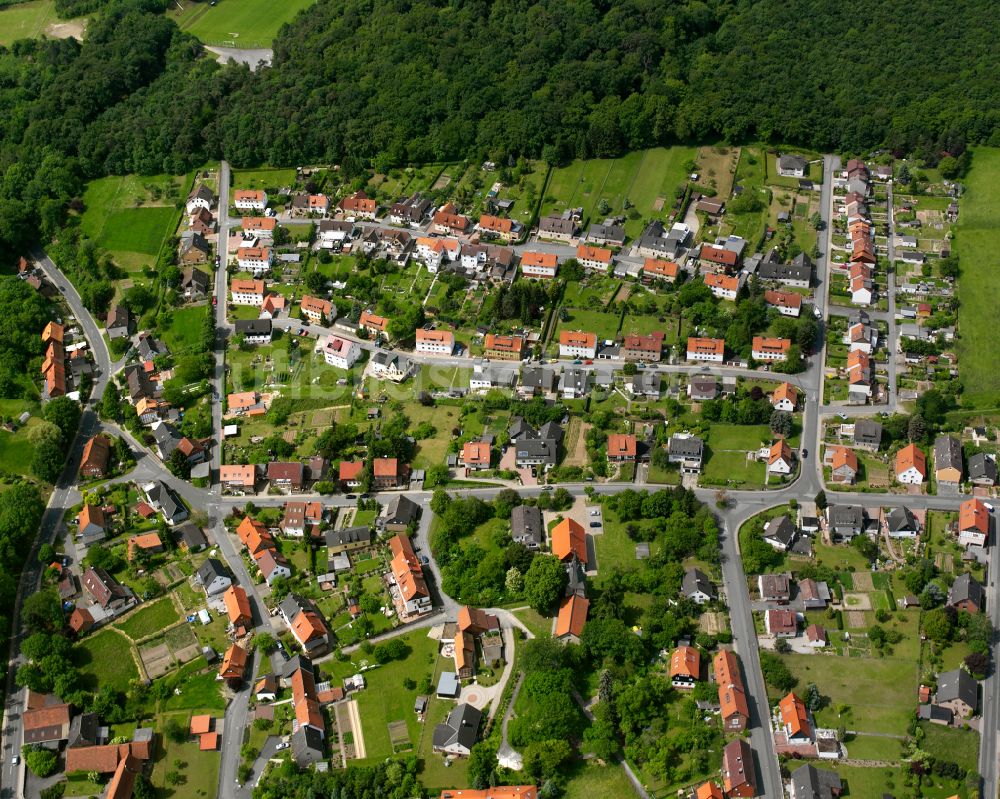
column 201, row 770
column 591, row 781
column 105, row 659
column 16, row 451
column 975, row 243
column 237, row 23
column 887, row 686
column 262, row 178
column 149, row 619
column 26, row 21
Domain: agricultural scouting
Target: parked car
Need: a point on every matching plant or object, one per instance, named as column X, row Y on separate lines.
column 351, row 496
column 595, row 512
column 595, row 524
column 282, row 745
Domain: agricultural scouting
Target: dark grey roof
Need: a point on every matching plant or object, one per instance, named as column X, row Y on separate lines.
column 557, row 224
column 253, row 327
column 139, row 384
column 982, row 468
column 349, row 535
column 307, row 745
column 170, row 504
column 852, row 516
column 119, row 318
column 519, row 428
column 83, row 730
column 462, row 727
column 210, row 570
column 575, row 378
column 526, row 524
column 538, row 377
column 297, row 663
column 167, row 438
column 551, row 431
column 202, row 192
column 401, row 510
column 534, row 449
column 191, row 535
column 947, row 453
column 809, row 782
column 343, row 226
column 934, row 713
column 606, row 232
column 655, row 238
column 769, row 270
column 291, row 606
column 867, row 432
column 150, row 347
column 966, row 588
column 681, row 446
column 901, row 518
column 780, row 529
column 958, row 684
column 696, row 581
column 702, row 386
column 792, row 162
column 195, row 278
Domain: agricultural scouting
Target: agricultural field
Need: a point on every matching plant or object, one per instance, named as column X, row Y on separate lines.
column 249, row 24
column 131, row 216
column 975, row 244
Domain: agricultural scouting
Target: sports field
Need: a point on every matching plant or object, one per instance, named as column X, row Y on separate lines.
column 975, row 244
column 648, row 179
column 26, row 20
column 248, row 24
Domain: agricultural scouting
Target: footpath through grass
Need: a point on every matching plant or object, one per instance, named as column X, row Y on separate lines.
column 975, row 243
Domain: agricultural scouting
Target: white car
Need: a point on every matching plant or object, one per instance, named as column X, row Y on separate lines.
column 16, row 759
column 595, row 513
column 282, row 745
column 988, row 506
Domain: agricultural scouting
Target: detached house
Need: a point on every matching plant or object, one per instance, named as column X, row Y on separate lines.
column 621, row 448
column 685, row 667
column 577, row 344
column 792, row 166
column 593, row 257
column 948, row 460
column 448, row 221
column 435, row 342
column 780, row 533
column 247, row 292
column 96, row 456
column 788, row 303
column 966, row 594
column 697, row 587
column 723, row 286
column 560, row 228
column 779, row 458
column 248, row 200
column 911, row 465
column 655, row 269
column 844, row 465
column 706, row 349
column 973, row 523
column 982, row 470
column 358, row 206
column 539, row 264
column 200, row 197
column 785, row 397
column 770, row 349
column 738, row 773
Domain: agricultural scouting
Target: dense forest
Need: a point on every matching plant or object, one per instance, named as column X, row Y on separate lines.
column 384, row 82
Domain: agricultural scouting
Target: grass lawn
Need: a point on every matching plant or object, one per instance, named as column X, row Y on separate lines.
column 604, row 324
column 878, row 692
column 16, row 451
column 201, row 692
column 535, row 622
column 591, row 781
column 269, row 179
column 722, row 467
column 868, row 783
column 26, row 21
column 614, row 547
column 82, row 786
column 738, row 437
column 200, row 772
column 105, row 659
column 947, row 743
column 149, row 619
column 139, row 230
column 385, row 700
column 237, row 23
column 185, row 328
column 975, row 242
column 435, row 775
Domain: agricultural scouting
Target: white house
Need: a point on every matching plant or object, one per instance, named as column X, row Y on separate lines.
column 339, row 352
column 779, row 458
column 248, row 200
column 724, row 287
column 255, row 260
column 792, row 166
column 770, row 349
column 539, row 264
column 577, row 344
column 247, row 292
column 389, row 366
column 706, row 349
column 435, row 342
column 201, row 197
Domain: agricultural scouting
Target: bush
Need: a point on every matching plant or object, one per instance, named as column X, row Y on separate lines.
column 42, row 762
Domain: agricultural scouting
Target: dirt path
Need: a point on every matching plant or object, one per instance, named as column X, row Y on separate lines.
column 359, row 736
